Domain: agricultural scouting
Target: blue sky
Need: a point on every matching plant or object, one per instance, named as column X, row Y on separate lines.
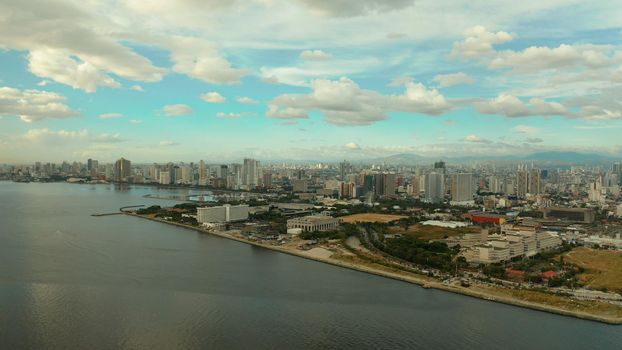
column 304, row 79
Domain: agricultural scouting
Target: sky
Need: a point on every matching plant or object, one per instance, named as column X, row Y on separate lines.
column 220, row 80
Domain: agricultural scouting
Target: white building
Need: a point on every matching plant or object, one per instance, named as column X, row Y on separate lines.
column 313, row 223
column 224, row 213
column 165, row 178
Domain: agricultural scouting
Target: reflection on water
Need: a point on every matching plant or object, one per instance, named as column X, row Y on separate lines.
column 69, row 280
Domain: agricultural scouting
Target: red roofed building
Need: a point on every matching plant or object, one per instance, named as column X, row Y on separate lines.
column 547, row 275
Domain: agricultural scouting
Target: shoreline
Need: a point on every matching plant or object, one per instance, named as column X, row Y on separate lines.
column 407, row 278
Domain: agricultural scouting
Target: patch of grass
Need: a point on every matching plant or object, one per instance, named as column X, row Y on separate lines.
column 371, row 217
column 603, row 267
column 428, row 232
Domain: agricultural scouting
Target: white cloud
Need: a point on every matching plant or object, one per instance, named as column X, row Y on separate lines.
column 43, row 83
column 534, row 140
column 246, row 100
column 343, row 102
column 352, row 146
column 110, row 116
column 228, row 115
column 61, row 67
column 446, row 80
column 476, row 139
column 135, row 121
column 168, row 143
column 213, row 97
column 536, row 58
column 33, row 105
column 275, row 111
column 69, row 45
column 511, row 106
column 314, row 55
column 47, row 136
column 525, row 129
column 137, row 88
column 401, row 81
column 601, row 114
column 479, row 42
column 176, row 110
column 200, row 59
column 108, row 138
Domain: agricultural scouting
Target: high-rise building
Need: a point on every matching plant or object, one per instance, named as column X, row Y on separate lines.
column 462, row 187
column 440, row 167
column 165, row 178
column 434, row 187
column 122, row 170
column 384, row 184
column 267, row 180
column 535, row 182
column 202, row 173
column 522, row 183
column 250, row 173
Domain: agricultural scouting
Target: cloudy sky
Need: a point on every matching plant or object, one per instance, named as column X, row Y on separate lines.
column 307, row 79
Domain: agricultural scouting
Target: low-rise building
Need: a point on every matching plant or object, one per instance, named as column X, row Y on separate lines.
column 223, row 213
column 314, row 223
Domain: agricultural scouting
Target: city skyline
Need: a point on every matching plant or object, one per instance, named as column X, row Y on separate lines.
column 307, row 80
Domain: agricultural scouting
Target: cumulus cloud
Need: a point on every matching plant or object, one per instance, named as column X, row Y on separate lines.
column 108, row 138
column 110, row 116
column 352, row 146
column 135, row 121
column 246, row 100
column 314, row 55
column 59, row 66
column 525, row 129
column 352, row 8
column 176, row 110
column 343, row 102
column 476, row 139
column 200, row 59
column 536, row 58
column 66, row 44
column 512, row 106
column 45, row 135
column 478, row 41
column 137, row 88
column 33, row 105
column 213, row 97
column 446, row 80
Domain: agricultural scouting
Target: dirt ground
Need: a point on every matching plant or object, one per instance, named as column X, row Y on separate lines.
column 604, row 267
column 371, row 217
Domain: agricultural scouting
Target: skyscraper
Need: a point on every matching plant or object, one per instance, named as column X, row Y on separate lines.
column 434, row 187
column 122, row 170
column 534, row 182
column 462, row 187
column 250, row 173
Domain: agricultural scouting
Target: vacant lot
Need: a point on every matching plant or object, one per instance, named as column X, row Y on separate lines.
column 371, row 217
column 428, row 232
column 603, row 267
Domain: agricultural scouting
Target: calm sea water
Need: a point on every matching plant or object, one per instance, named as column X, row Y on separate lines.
column 72, row 281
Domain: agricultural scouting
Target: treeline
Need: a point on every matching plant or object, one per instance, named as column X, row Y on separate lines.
column 430, row 254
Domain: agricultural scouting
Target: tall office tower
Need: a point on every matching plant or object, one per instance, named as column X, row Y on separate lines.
column 462, row 187
column 122, row 170
column 224, row 171
column 267, row 179
column 522, row 183
column 343, row 168
column 616, row 168
column 202, row 173
column 535, row 182
column 250, row 172
column 384, row 184
column 440, row 167
column 165, row 178
column 434, row 187
column 368, row 183
column 186, row 175
column 494, row 184
column 89, row 164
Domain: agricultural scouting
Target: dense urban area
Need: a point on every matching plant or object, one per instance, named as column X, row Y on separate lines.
column 537, row 234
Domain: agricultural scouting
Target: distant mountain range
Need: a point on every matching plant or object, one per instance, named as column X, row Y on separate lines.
column 547, row 157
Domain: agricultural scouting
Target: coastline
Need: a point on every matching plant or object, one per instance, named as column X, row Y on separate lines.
column 408, row 277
